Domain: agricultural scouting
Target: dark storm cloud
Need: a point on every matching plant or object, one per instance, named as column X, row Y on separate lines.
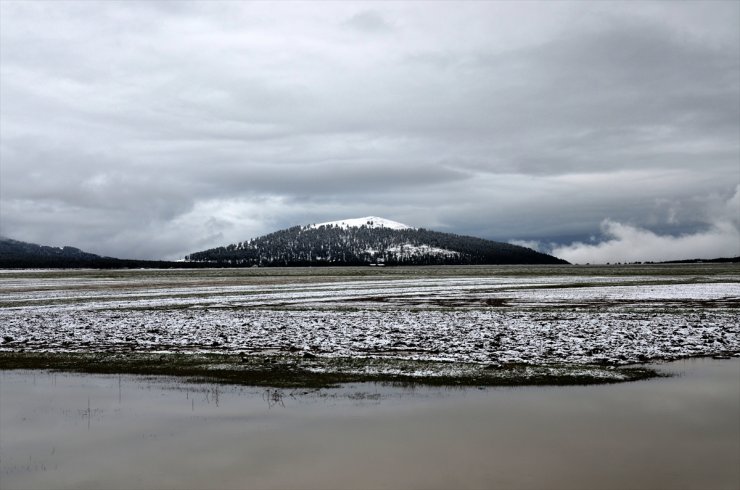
column 152, row 129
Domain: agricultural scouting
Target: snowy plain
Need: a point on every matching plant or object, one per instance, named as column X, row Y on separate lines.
column 497, row 317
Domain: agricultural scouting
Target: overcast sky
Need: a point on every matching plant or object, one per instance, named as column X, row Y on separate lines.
column 599, row 131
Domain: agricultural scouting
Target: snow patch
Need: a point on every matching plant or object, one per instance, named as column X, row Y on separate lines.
column 368, row 221
column 408, row 250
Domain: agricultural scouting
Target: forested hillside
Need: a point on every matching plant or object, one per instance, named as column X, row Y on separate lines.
column 363, row 245
column 15, row 254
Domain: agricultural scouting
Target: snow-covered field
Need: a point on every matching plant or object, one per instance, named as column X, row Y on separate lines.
column 496, row 317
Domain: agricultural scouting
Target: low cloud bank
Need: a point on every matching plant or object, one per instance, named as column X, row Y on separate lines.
column 628, row 243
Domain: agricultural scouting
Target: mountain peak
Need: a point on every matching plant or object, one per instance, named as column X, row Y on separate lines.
column 367, row 241
column 368, row 221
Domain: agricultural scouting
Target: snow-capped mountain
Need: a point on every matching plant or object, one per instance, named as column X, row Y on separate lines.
column 367, row 241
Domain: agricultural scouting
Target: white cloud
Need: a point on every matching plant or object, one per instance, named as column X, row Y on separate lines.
column 628, row 243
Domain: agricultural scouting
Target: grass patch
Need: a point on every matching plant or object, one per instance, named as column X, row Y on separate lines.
column 295, row 371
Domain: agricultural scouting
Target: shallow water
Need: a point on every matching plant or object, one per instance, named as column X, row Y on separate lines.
column 92, row 431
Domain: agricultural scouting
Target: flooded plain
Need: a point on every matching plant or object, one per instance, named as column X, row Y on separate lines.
column 62, row 430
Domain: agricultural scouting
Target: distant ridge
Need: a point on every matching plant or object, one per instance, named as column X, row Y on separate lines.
column 15, row 254
column 370, row 240
column 721, row 260
column 16, row 250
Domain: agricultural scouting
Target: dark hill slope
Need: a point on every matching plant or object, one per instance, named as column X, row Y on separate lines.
column 15, row 254
column 336, row 245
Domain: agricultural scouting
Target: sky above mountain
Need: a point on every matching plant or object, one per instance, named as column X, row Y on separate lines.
column 599, row 131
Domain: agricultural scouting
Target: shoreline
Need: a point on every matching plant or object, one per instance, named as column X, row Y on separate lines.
column 293, row 371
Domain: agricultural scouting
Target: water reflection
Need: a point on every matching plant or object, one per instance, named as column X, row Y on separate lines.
column 80, row 431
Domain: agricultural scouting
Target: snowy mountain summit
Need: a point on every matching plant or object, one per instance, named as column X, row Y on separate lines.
column 367, row 221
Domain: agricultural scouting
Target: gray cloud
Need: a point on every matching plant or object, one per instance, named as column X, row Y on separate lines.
column 718, row 235
column 214, row 122
column 368, row 21
column 626, row 243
